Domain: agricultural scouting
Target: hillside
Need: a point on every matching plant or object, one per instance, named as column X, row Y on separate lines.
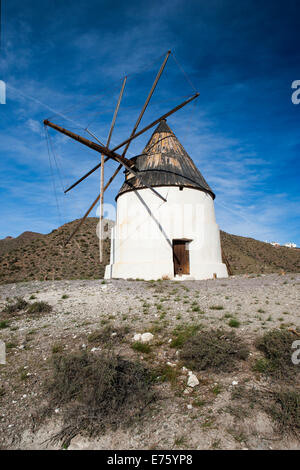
column 44, row 257
column 33, row 256
column 9, row 243
column 247, row 255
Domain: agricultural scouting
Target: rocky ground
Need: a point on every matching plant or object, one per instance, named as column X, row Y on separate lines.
column 204, row 417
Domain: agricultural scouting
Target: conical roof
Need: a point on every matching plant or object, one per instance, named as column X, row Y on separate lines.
column 164, row 162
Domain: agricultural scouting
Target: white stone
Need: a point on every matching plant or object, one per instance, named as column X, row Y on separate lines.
column 171, row 364
column 147, row 337
column 234, row 382
column 189, row 407
column 192, row 380
column 113, row 334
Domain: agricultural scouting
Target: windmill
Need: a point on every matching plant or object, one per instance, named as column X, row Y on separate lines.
column 134, row 173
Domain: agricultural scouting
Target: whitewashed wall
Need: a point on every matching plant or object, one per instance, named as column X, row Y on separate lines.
column 146, row 226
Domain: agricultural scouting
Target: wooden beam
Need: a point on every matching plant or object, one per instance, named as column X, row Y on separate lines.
column 102, row 170
column 93, row 205
column 147, row 100
column 164, row 116
column 99, row 148
column 83, row 177
column 116, row 112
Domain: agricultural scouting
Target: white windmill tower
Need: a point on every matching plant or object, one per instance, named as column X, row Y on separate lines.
column 165, row 212
column 175, row 239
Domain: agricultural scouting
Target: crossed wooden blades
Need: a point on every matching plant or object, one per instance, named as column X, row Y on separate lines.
column 112, row 154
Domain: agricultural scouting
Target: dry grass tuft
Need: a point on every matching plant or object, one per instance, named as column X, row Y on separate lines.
column 39, row 307
column 15, row 307
column 108, row 334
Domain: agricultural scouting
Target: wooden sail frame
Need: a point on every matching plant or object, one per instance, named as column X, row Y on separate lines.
column 106, row 153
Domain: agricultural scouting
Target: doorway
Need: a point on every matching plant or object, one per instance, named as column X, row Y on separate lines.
column 181, row 257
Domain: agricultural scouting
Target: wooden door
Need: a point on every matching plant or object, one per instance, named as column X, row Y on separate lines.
column 181, row 257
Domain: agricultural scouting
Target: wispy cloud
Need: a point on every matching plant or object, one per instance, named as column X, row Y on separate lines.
column 242, row 132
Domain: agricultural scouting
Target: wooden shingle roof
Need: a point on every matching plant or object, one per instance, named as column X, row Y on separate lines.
column 164, row 162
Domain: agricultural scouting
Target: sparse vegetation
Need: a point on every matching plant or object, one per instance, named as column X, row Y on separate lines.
column 285, row 409
column 39, row 307
column 108, row 334
column 166, row 373
column 4, row 324
column 276, row 345
column 217, row 350
column 182, row 332
column 97, row 392
column 14, row 307
column 141, row 347
column 98, row 321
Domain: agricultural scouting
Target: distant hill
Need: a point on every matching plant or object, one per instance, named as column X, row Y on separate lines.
column 9, row 243
column 247, row 255
column 34, row 256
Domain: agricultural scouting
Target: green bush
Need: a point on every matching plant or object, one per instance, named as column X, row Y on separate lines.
column 141, row 347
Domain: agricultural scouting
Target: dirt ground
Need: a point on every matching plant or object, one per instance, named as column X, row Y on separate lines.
column 203, row 417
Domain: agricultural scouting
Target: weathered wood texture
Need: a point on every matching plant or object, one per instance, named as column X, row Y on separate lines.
column 164, row 162
column 181, row 257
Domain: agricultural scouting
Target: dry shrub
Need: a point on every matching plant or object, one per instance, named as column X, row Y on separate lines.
column 217, row 350
column 276, row 345
column 15, row 307
column 286, row 410
column 281, row 404
column 21, row 306
column 107, row 334
column 96, row 392
column 39, row 307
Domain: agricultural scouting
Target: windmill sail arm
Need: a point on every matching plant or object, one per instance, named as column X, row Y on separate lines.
column 93, row 145
column 164, row 116
column 85, row 176
column 137, row 135
column 93, row 205
column 147, row 101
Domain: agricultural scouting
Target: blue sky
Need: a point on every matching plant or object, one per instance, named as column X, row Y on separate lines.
column 62, row 58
